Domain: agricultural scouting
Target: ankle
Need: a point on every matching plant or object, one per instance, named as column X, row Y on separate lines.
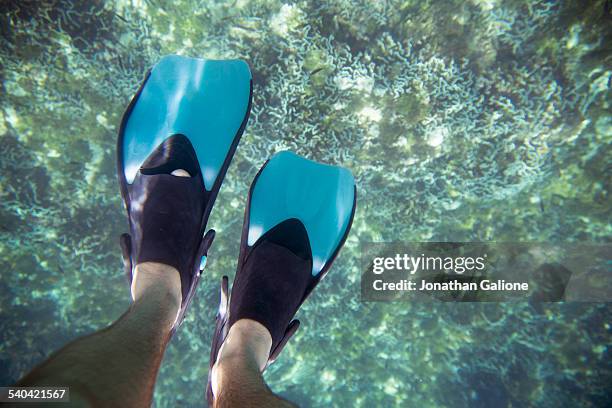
column 247, row 339
column 157, row 285
column 246, row 347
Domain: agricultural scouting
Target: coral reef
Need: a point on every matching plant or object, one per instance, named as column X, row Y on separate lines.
column 461, row 120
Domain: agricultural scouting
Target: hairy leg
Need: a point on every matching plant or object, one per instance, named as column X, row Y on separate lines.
column 236, row 376
column 118, row 366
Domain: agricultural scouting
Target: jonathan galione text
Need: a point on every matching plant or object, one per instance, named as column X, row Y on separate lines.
column 486, row 285
column 459, row 265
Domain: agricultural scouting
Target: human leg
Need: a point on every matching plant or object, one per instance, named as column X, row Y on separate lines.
column 118, row 365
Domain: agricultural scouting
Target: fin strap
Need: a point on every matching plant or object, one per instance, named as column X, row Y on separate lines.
column 126, row 252
column 291, row 329
column 205, row 245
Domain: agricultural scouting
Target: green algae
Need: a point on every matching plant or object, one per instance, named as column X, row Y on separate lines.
column 460, row 120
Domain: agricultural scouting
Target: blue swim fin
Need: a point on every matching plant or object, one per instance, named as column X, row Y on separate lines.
column 188, row 114
column 299, row 213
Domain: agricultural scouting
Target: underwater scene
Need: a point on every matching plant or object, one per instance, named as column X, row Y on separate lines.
column 477, row 120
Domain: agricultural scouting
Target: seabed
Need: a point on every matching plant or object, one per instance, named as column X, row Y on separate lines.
column 461, row 121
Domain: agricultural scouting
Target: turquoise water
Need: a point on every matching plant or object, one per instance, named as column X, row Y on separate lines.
column 461, row 121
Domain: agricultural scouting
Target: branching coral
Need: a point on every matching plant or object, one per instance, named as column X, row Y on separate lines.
column 478, row 120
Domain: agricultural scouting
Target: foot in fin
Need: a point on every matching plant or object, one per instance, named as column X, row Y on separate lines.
column 298, row 216
column 187, row 116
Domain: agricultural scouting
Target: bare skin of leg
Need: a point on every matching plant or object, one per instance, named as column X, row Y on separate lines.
column 236, row 376
column 118, row 366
